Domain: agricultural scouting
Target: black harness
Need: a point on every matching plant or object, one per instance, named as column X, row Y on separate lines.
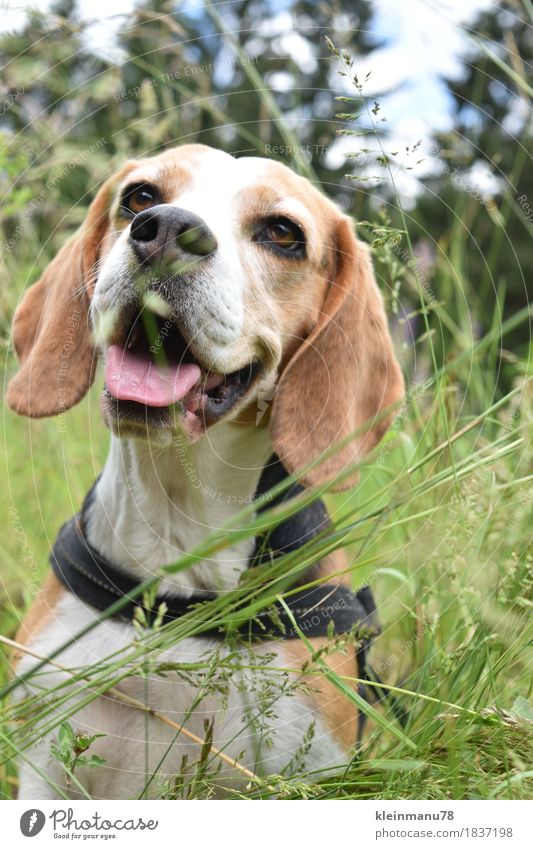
column 322, row 610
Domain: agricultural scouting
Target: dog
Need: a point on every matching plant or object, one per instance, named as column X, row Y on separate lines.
column 269, row 339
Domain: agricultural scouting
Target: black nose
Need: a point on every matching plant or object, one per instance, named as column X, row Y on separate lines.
column 168, row 232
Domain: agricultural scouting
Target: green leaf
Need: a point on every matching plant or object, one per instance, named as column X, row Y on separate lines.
column 395, row 764
column 65, row 739
column 94, row 760
column 522, row 708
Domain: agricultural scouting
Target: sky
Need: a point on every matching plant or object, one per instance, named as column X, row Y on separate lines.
column 421, row 42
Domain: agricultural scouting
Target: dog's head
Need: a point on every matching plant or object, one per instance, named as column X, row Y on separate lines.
column 212, row 286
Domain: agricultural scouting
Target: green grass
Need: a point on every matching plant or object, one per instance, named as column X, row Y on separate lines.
column 440, row 525
column 443, row 537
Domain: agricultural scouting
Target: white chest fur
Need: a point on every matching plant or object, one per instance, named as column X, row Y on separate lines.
column 260, row 717
column 153, row 504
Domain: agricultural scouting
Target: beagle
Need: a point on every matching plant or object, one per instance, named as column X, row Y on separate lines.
column 236, row 315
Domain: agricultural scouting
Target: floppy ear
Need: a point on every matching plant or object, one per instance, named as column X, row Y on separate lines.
column 341, row 377
column 51, row 332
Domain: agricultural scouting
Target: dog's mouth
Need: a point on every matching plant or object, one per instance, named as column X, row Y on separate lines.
column 151, row 367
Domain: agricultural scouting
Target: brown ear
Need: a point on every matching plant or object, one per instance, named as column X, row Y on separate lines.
column 341, row 377
column 51, row 332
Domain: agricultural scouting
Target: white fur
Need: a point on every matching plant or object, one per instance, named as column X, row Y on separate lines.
column 128, row 730
column 151, row 505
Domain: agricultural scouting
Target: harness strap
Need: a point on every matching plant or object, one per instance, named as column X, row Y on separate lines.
column 317, row 611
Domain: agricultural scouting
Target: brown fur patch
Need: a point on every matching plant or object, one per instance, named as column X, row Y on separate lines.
column 338, row 712
column 51, row 332
column 40, row 613
column 342, row 377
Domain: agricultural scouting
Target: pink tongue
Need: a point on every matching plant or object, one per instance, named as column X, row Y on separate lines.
column 134, row 377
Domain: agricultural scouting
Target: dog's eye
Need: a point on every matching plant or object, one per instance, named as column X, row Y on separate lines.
column 283, row 236
column 138, row 198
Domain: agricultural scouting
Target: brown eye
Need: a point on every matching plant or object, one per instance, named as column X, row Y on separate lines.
column 283, row 236
column 138, row 198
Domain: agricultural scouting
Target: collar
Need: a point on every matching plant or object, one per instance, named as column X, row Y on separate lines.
column 318, row 611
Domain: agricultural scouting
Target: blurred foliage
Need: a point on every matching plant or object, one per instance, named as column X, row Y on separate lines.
column 184, row 73
column 493, row 130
